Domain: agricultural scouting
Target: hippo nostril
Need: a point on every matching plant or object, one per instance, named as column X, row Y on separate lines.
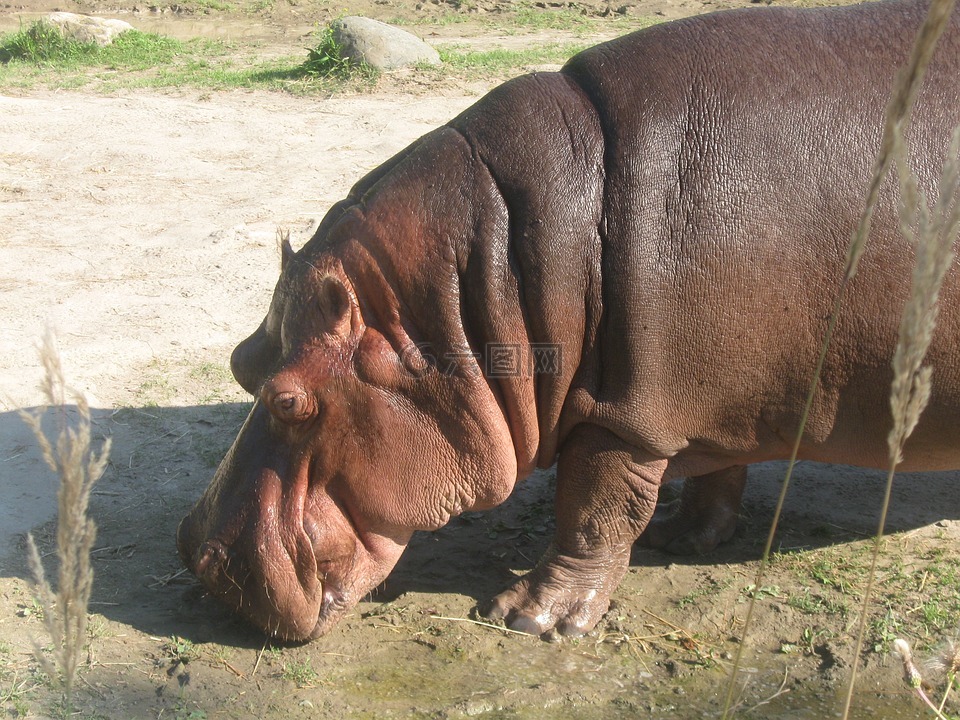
column 209, row 558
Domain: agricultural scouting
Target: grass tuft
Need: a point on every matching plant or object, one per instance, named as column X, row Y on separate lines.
column 71, row 457
column 300, row 673
column 326, row 60
column 43, row 43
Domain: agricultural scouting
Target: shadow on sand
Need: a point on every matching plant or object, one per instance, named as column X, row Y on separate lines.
column 163, row 458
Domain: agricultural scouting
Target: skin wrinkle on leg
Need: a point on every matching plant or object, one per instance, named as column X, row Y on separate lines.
column 610, row 526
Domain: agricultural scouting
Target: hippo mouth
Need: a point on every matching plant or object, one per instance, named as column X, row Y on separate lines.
column 329, row 576
column 279, row 587
column 274, row 578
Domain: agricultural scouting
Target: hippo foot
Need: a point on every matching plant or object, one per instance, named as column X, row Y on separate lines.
column 679, row 533
column 704, row 516
column 562, row 593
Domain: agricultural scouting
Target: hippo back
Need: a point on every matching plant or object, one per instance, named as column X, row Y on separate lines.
column 737, row 150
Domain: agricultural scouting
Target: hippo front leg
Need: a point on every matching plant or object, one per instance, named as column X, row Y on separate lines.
column 606, row 494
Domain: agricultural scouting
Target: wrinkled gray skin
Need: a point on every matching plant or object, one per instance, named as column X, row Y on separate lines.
column 670, row 212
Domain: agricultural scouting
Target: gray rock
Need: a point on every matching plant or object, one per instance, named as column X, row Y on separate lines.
column 380, row 45
column 88, row 29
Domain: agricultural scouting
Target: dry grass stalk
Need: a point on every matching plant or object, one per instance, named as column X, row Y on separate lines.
column 898, row 116
column 933, row 232
column 78, row 467
column 896, row 120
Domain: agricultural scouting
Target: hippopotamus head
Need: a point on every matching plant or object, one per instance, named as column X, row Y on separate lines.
column 358, row 435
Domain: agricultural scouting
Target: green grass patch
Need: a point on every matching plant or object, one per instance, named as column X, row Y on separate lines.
column 40, row 56
column 199, row 7
column 457, row 59
column 208, row 5
column 260, row 6
column 536, row 19
column 710, row 588
column 135, row 51
column 300, row 673
column 41, row 43
column 811, row 603
column 916, row 596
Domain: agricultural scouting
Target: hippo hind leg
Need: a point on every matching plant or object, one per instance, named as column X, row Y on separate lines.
column 704, row 515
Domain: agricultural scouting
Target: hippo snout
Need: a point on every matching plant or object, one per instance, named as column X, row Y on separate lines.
column 277, row 589
column 278, row 536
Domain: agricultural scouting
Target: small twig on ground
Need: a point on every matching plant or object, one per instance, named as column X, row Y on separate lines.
column 259, row 656
column 669, row 624
column 231, row 668
column 165, row 580
column 782, row 690
column 501, row 628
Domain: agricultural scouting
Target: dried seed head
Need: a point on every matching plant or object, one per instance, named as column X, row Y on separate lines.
column 910, row 672
column 946, row 662
column 933, row 232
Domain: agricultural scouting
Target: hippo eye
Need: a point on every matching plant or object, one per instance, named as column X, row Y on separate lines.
column 290, row 406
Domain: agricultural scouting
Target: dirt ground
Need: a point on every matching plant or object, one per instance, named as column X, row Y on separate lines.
column 141, row 227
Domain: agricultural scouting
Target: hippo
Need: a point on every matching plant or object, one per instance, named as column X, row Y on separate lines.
column 624, row 268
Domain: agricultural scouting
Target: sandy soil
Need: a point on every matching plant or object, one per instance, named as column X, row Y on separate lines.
column 141, row 227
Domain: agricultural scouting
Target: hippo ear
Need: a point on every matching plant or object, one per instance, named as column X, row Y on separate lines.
column 253, row 359
column 286, row 249
column 337, row 306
